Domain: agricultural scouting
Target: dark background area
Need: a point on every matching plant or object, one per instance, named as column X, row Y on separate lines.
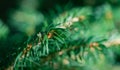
column 7, row 5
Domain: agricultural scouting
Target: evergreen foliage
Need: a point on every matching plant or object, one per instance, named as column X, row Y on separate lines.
column 66, row 37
